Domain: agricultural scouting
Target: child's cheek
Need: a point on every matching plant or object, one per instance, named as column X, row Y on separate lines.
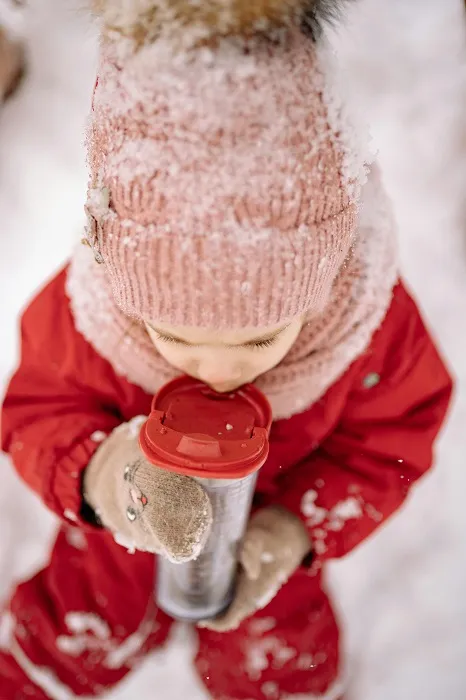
column 175, row 356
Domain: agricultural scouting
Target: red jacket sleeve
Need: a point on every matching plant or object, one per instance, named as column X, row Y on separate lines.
column 398, row 395
column 53, row 410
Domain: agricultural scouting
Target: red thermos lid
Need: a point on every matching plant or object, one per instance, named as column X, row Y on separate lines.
column 192, row 430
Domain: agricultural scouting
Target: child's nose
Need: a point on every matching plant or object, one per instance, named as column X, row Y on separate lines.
column 219, row 376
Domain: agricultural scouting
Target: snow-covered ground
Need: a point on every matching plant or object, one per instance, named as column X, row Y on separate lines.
column 402, row 595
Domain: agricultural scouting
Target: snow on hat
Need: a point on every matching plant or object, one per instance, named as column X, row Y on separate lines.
column 224, row 190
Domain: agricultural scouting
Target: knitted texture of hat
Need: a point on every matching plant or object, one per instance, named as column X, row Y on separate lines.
column 224, row 190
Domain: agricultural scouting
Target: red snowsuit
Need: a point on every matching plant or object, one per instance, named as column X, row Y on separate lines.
column 343, row 466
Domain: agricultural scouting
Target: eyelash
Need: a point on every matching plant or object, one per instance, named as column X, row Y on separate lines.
column 262, row 343
column 169, row 339
column 254, row 346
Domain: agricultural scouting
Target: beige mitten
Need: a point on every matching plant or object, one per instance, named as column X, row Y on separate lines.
column 146, row 508
column 274, row 546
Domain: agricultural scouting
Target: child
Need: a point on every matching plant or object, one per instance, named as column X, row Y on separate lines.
column 232, row 238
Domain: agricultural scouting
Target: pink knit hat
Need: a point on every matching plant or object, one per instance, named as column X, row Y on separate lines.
column 221, row 194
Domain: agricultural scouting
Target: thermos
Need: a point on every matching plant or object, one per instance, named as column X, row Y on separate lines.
column 221, row 440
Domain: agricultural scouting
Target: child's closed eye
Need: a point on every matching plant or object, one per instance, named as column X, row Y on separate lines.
column 259, row 344
column 171, row 339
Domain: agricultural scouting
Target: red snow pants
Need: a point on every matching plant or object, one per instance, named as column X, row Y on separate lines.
column 80, row 625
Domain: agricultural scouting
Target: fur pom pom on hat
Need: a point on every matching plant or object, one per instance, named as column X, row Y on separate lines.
column 224, row 183
column 143, row 19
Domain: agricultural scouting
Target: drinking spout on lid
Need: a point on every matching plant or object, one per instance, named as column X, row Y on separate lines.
column 201, row 446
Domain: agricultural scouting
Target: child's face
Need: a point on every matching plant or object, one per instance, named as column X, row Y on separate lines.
column 225, row 360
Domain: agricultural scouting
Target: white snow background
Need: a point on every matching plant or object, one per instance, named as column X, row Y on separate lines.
column 402, row 595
